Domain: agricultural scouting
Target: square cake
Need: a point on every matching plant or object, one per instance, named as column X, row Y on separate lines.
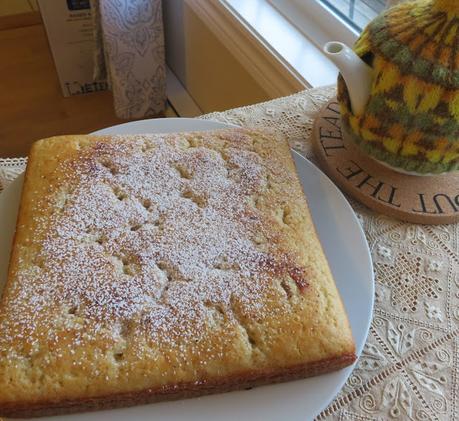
column 153, row 267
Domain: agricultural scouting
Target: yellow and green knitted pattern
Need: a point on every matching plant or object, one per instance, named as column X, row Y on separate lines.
column 411, row 120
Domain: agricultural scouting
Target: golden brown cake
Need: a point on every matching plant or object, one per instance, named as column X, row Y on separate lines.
column 158, row 267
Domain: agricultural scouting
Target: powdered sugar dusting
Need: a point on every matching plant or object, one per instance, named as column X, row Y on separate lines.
column 150, row 235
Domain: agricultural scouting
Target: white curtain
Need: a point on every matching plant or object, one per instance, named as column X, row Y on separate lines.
column 130, row 54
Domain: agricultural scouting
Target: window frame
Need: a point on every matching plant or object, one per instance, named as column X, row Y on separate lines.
column 280, row 38
column 356, row 10
column 318, row 22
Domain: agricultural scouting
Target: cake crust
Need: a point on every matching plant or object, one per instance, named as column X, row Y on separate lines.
column 158, row 267
column 179, row 391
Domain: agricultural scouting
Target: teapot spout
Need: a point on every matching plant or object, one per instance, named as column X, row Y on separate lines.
column 356, row 73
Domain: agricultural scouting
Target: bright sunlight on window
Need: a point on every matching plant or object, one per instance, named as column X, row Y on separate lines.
column 357, row 13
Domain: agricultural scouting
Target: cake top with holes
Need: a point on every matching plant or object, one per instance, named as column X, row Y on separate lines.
column 152, row 260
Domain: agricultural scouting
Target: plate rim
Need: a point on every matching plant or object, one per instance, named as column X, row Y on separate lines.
column 179, row 120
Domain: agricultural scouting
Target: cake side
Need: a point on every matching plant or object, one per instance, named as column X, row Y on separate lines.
column 260, row 296
column 175, row 392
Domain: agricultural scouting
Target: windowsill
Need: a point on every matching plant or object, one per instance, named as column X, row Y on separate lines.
column 289, row 45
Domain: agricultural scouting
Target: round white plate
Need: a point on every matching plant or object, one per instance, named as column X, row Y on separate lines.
column 349, row 257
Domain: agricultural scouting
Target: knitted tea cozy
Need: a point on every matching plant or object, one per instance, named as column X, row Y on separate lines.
column 411, row 120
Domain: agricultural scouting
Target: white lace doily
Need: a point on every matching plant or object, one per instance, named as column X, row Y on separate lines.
column 409, row 368
column 10, row 168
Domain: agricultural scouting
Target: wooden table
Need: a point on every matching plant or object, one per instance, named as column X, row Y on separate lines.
column 31, row 102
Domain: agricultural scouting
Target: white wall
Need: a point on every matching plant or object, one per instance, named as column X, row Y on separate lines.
column 211, row 75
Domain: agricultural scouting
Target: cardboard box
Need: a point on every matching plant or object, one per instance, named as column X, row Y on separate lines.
column 69, row 28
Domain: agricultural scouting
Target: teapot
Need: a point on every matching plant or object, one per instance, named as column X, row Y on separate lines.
column 398, row 89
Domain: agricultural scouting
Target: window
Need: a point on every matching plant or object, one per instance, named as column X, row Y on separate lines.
column 356, row 13
column 317, row 21
column 329, row 20
column 295, row 31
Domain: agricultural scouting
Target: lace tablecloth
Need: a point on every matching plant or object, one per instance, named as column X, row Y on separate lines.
column 409, row 368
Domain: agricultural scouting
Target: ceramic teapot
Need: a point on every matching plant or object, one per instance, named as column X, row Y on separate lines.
column 399, row 88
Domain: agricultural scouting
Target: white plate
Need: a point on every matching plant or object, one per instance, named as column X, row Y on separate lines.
column 347, row 251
